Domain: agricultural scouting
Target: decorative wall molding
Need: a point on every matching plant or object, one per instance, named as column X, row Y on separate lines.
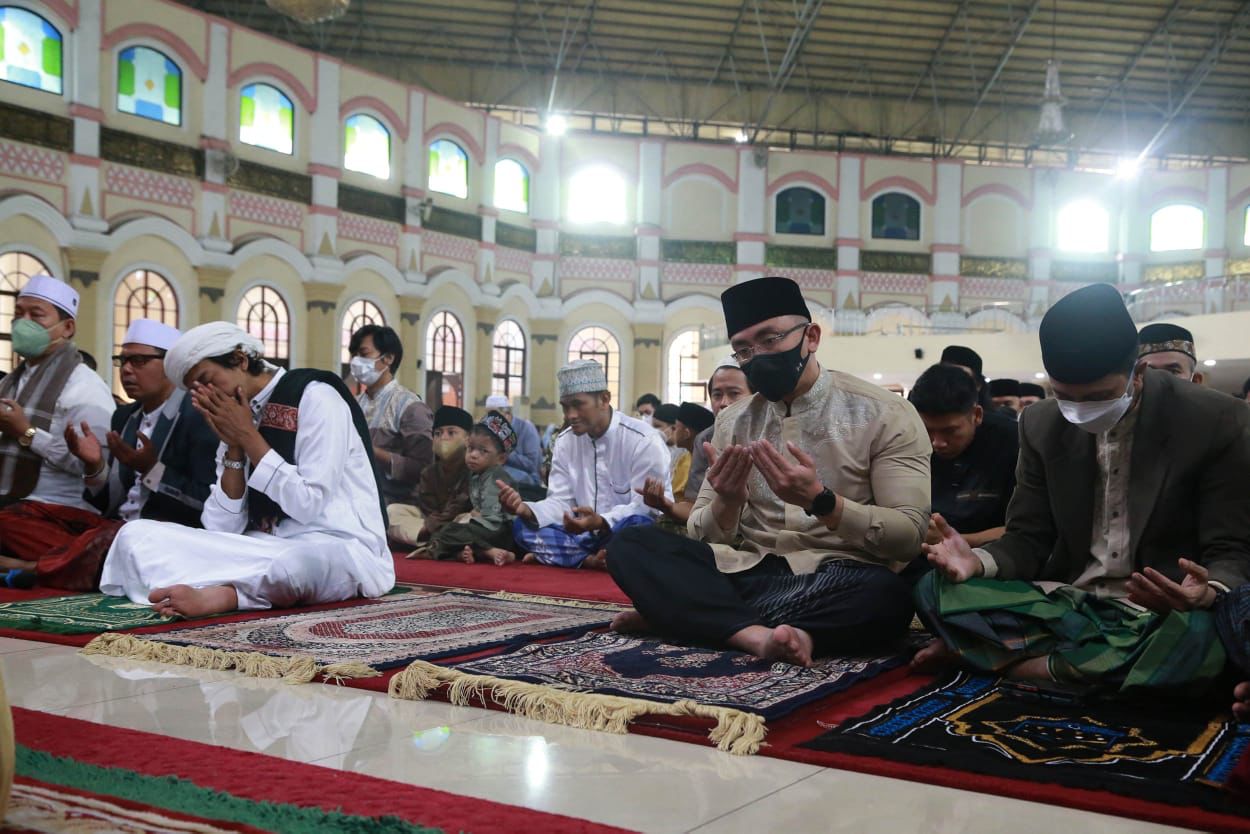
column 801, row 257
column 539, row 338
column 994, row 289
column 410, row 319
column 598, row 246
column 322, row 306
column 684, row 273
column 372, row 204
column 85, row 277
column 152, row 154
column 33, row 163
column 597, row 269
column 449, row 246
column 368, row 230
column 1187, row 271
column 451, row 222
column 512, row 260
column 698, row 251
column 982, row 267
column 886, row 283
column 149, row 185
column 213, row 294
column 36, row 128
column 516, row 237
column 808, row 279
column 260, row 209
column 273, row 182
column 646, row 343
column 909, row 263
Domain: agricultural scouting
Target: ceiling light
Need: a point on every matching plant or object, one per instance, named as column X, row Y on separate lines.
column 557, row 124
column 1210, row 363
column 1128, row 167
column 741, row 137
column 1039, row 375
column 877, row 376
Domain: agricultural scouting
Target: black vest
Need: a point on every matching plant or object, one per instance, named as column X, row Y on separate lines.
column 278, row 426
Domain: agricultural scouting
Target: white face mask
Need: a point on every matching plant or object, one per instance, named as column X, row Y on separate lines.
column 365, row 370
column 1098, row 416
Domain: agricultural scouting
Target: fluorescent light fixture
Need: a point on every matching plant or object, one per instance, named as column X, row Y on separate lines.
column 741, row 137
column 1039, row 375
column 1210, row 363
column 1128, row 167
column 557, row 124
column 877, row 376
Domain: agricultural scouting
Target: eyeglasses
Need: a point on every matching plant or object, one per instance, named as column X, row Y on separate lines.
column 135, row 360
column 769, row 344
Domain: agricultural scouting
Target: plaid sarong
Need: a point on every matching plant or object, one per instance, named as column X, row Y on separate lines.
column 991, row 624
column 19, row 466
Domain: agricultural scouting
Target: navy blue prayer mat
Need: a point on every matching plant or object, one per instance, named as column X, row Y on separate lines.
column 632, row 667
column 1163, row 750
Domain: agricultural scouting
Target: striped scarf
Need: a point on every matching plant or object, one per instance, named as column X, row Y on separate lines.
column 19, row 466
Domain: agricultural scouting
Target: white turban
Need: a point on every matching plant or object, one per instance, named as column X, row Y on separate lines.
column 216, row 338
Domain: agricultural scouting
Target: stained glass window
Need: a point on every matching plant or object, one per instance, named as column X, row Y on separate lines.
column 597, row 195
column 358, row 314
column 149, row 85
column 800, row 211
column 143, row 294
column 30, row 50
column 266, row 118
column 684, row 383
column 444, row 351
column 15, row 270
column 1177, row 227
column 263, row 313
column 508, row 360
column 599, row 344
column 1083, row 226
column 367, row 146
column 512, row 186
column 449, row 169
column 896, row 216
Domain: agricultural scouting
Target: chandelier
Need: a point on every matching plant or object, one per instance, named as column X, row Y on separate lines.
column 310, row 11
column 1050, row 127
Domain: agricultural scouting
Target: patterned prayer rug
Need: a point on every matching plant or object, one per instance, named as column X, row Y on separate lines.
column 78, row 614
column 1178, row 752
column 390, row 633
column 630, row 667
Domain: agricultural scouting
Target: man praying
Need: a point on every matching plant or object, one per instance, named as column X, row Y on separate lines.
column 1131, row 516
column 1169, row 348
column 296, row 514
column 824, row 480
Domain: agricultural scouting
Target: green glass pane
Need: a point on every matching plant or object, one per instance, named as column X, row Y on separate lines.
column 288, row 123
column 2, row 38
column 52, row 58
column 247, row 111
column 125, row 78
column 173, row 91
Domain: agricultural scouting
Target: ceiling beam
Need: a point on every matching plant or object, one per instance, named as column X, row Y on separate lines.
column 1160, row 29
column 936, row 57
column 804, row 18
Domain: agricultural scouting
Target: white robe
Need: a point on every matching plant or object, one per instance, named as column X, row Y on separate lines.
column 330, row 547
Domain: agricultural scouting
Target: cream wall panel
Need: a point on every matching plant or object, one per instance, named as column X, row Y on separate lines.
column 696, row 208
column 572, row 286
column 677, row 155
column 995, row 225
column 118, row 208
column 244, row 231
column 55, row 194
column 22, row 233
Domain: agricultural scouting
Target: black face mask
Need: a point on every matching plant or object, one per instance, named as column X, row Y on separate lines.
column 776, row 375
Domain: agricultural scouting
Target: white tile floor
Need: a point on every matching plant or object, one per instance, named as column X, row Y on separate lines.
column 634, row 782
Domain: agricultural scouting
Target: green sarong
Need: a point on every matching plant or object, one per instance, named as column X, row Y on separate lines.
column 991, row 624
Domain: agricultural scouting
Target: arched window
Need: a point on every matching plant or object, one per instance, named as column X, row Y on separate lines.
column 359, row 313
column 143, row 294
column 597, row 195
column 684, row 383
column 367, row 146
column 896, row 216
column 30, row 50
column 600, row 345
column 266, row 118
column 15, row 270
column 800, row 211
column 149, row 85
column 263, row 313
column 508, row 360
column 1177, row 227
column 1083, row 226
column 444, row 353
column 449, row 169
column 512, row 186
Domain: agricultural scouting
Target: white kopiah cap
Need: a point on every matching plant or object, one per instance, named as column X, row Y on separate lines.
column 151, row 332
column 498, row 401
column 57, row 293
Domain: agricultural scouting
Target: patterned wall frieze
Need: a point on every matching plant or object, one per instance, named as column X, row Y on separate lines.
column 260, row 209
column 683, row 273
column 891, row 283
column 368, row 230
column 151, row 154
column 458, row 223
column 980, row 267
column 596, row 269
column 598, row 246
column 149, row 185
column 808, row 279
column 1089, row 272
column 698, row 251
column 30, row 162
column 1187, row 271
column 801, row 257
column 1241, row 266
column 372, row 204
column 513, row 260
column 904, row 263
column 273, row 182
column 516, row 237
column 449, row 246
column 995, row 289
column 36, row 128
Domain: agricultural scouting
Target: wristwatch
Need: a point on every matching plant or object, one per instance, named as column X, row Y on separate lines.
column 231, row 464
column 823, row 504
column 28, row 437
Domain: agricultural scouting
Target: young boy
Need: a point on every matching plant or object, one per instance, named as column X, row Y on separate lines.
column 665, row 422
column 444, row 491
column 692, row 420
column 485, row 533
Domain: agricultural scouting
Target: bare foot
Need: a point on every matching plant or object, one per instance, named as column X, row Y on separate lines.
column 499, row 556
column 629, row 622
column 1241, row 701
column 185, row 601
column 10, row 563
column 466, row 555
column 529, row 559
column 932, row 656
column 596, row 561
column 789, row 645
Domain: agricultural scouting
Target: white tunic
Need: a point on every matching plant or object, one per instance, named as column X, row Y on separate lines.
column 331, row 546
column 604, row 473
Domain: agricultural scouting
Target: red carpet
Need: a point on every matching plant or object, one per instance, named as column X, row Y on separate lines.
column 258, row 778
column 541, row 580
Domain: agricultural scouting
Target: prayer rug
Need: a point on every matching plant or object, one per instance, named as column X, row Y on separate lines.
column 383, row 634
column 540, row 580
column 631, row 667
column 79, row 776
column 1179, row 753
column 78, row 614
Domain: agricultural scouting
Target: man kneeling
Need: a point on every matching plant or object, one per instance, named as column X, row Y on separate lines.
column 296, row 514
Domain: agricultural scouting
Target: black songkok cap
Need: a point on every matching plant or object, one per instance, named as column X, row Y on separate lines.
column 751, row 302
column 666, row 413
column 963, row 356
column 1004, row 388
column 1161, row 338
column 449, row 415
column 1032, row 389
column 1087, row 335
column 695, row 417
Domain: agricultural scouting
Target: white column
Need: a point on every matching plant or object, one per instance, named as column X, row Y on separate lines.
column 752, row 212
column 215, row 141
column 487, row 210
column 545, row 209
column 945, row 249
column 325, row 158
column 1133, row 229
column 1216, row 253
column 414, row 166
column 650, row 217
column 1041, row 242
column 84, row 95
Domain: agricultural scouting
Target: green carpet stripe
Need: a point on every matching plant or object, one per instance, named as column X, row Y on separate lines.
column 182, row 796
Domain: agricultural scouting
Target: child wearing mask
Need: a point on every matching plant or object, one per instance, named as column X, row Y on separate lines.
column 485, row 533
column 444, row 491
column 665, row 422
